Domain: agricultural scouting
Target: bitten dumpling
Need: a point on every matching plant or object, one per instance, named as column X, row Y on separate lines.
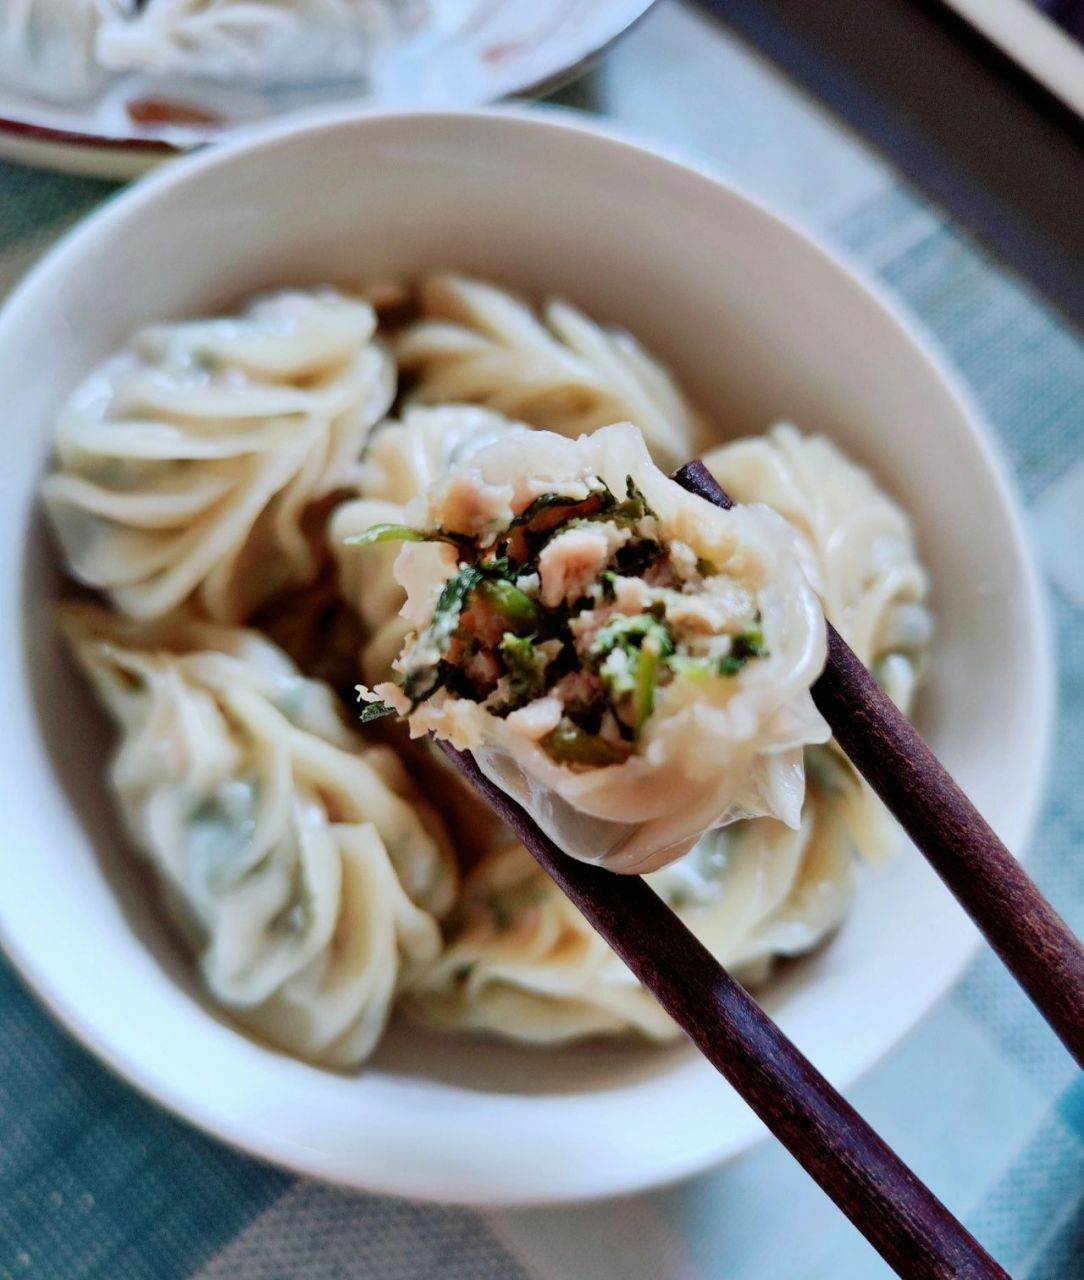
column 521, row 962
column 627, row 661
column 561, row 372
column 189, row 464
column 305, row 872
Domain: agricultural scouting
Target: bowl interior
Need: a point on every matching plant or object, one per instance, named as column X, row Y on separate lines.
column 758, row 323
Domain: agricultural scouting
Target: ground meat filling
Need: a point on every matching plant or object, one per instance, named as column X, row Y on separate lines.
column 572, row 618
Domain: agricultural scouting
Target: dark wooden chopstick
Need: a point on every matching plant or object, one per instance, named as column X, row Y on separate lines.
column 1036, row 944
column 898, row 1214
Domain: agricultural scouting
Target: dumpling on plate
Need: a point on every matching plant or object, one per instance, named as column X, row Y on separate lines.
column 305, row 872
column 269, row 42
column 47, row 46
column 561, row 371
column 192, row 465
column 627, row 661
column 403, row 459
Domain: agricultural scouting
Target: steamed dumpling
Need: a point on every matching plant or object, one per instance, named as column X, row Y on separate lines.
column 858, row 546
column 193, row 464
column 278, row 41
column 47, row 46
column 403, row 460
column 563, row 372
column 306, row 873
column 627, row 661
column 521, row 962
column 859, row 552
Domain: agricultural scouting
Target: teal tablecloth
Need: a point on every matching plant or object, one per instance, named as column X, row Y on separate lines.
column 94, row 1181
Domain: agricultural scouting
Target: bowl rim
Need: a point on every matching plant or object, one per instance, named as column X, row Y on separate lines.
column 126, row 204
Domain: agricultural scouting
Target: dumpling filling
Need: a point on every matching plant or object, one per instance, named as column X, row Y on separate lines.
column 622, row 643
column 572, row 619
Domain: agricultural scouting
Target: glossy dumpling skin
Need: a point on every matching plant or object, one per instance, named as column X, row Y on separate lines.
column 714, row 748
column 403, row 459
column 191, row 464
column 305, row 872
column 559, row 370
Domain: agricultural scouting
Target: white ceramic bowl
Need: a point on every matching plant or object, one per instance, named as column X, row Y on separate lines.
column 758, row 321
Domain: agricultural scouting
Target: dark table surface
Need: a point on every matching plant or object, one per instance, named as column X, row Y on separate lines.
column 969, row 128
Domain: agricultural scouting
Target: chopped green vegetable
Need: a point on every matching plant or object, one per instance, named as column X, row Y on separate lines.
column 630, row 632
column 425, row 676
column 745, row 645
column 404, row 533
column 635, row 558
column 510, row 602
column 608, row 582
column 691, row 668
column 549, row 515
column 499, row 567
column 536, row 524
column 749, row 643
column 525, row 667
column 647, row 673
column 375, row 711
column 568, row 744
column 633, row 648
column 549, row 502
column 633, row 509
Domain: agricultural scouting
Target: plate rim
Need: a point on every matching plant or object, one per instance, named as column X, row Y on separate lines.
column 29, row 135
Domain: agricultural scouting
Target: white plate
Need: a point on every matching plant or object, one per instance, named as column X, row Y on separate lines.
column 758, row 321
column 497, row 49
